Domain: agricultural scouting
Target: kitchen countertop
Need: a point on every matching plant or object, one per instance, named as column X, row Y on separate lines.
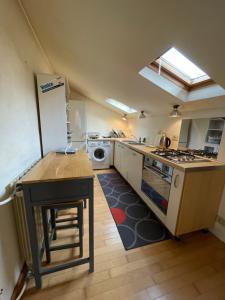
column 147, row 150
column 56, row 166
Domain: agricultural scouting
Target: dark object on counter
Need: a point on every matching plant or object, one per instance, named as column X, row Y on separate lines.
column 66, row 150
column 165, row 142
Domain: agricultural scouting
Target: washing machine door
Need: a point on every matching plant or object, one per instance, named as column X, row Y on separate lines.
column 99, row 154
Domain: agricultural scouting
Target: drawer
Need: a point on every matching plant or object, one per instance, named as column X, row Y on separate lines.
column 59, row 190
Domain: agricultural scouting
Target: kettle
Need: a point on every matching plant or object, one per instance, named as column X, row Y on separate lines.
column 165, row 142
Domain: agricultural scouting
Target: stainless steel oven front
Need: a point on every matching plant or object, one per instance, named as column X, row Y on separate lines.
column 156, row 182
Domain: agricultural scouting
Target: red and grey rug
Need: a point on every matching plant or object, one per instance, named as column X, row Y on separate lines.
column 136, row 223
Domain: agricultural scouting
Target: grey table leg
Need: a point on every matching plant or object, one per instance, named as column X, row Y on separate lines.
column 46, row 234
column 91, row 227
column 53, row 223
column 33, row 239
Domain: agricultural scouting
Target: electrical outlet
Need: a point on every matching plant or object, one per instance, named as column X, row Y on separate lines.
column 175, row 138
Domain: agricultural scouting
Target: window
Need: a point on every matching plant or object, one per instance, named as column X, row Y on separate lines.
column 175, row 66
column 180, row 77
column 121, row 106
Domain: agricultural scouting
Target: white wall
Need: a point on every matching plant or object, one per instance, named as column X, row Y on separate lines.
column 20, row 59
column 151, row 126
column 99, row 118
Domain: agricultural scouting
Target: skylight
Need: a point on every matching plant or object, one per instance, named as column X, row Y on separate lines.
column 177, row 63
column 180, row 77
column 121, row 106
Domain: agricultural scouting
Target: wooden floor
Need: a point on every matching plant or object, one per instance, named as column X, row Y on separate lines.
column 193, row 268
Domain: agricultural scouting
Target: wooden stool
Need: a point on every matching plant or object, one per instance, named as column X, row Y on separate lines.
column 53, row 220
column 79, row 225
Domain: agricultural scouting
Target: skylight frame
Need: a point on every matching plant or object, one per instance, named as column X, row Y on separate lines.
column 167, row 70
column 121, row 106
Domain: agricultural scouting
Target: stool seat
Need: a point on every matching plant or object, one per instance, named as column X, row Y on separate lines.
column 78, row 204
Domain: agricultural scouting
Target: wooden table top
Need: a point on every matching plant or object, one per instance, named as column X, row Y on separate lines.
column 58, row 167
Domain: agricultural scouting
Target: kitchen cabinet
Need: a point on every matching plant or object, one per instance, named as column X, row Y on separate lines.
column 129, row 163
column 120, row 159
column 174, row 200
column 117, row 156
column 124, row 161
column 194, row 195
column 134, row 169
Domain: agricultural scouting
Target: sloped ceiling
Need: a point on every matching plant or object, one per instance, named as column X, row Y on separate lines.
column 102, row 44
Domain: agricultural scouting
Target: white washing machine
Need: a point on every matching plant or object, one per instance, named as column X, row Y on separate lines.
column 100, row 154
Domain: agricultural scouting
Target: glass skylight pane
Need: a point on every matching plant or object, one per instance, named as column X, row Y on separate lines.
column 121, row 106
column 182, row 64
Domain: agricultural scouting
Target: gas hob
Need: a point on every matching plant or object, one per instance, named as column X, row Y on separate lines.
column 180, row 156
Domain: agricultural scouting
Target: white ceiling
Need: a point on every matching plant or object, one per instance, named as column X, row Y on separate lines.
column 102, row 44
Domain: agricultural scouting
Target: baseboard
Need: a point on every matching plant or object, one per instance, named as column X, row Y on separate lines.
column 20, row 282
column 219, row 229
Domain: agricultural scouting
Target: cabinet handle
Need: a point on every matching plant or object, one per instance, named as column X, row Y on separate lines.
column 176, row 181
column 134, row 154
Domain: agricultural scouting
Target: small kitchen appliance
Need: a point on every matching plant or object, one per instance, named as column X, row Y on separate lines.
column 165, row 142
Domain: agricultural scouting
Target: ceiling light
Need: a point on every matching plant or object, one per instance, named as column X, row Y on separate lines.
column 124, row 117
column 142, row 115
column 175, row 113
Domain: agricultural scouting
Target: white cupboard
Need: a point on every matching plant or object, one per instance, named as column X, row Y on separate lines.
column 78, row 126
column 129, row 163
column 134, row 169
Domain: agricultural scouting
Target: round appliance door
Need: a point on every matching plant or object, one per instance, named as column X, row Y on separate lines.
column 99, row 154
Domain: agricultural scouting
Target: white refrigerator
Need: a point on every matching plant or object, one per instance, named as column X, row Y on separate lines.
column 52, row 112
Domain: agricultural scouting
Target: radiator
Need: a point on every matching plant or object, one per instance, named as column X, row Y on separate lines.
column 22, row 228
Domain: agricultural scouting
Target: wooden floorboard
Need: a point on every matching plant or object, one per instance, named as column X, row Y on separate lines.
column 193, row 268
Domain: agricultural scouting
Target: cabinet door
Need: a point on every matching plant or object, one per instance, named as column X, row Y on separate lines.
column 123, row 160
column 117, row 156
column 135, row 166
column 174, row 200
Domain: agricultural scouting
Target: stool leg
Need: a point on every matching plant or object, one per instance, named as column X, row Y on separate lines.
column 46, row 234
column 80, row 226
column 85, row 203
column 53, row 223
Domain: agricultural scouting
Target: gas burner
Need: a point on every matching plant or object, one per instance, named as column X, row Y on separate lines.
column 204, row 153
column 179, row 156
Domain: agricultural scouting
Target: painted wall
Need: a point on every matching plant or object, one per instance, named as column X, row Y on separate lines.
column 149, row 128
column 99, row 118
column 20, row 59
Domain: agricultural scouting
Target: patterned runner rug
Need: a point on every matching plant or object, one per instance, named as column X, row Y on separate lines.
column 136, row 223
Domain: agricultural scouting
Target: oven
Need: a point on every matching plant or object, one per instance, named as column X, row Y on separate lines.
column 156, row 182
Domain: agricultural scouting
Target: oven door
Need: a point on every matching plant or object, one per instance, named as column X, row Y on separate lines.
column 156, row 185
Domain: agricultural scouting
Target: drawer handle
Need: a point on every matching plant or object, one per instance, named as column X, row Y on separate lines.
column 176, row 181
column 134, row 154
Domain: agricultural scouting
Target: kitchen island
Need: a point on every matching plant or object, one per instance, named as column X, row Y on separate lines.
column 185, row 197
column 58, row 178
